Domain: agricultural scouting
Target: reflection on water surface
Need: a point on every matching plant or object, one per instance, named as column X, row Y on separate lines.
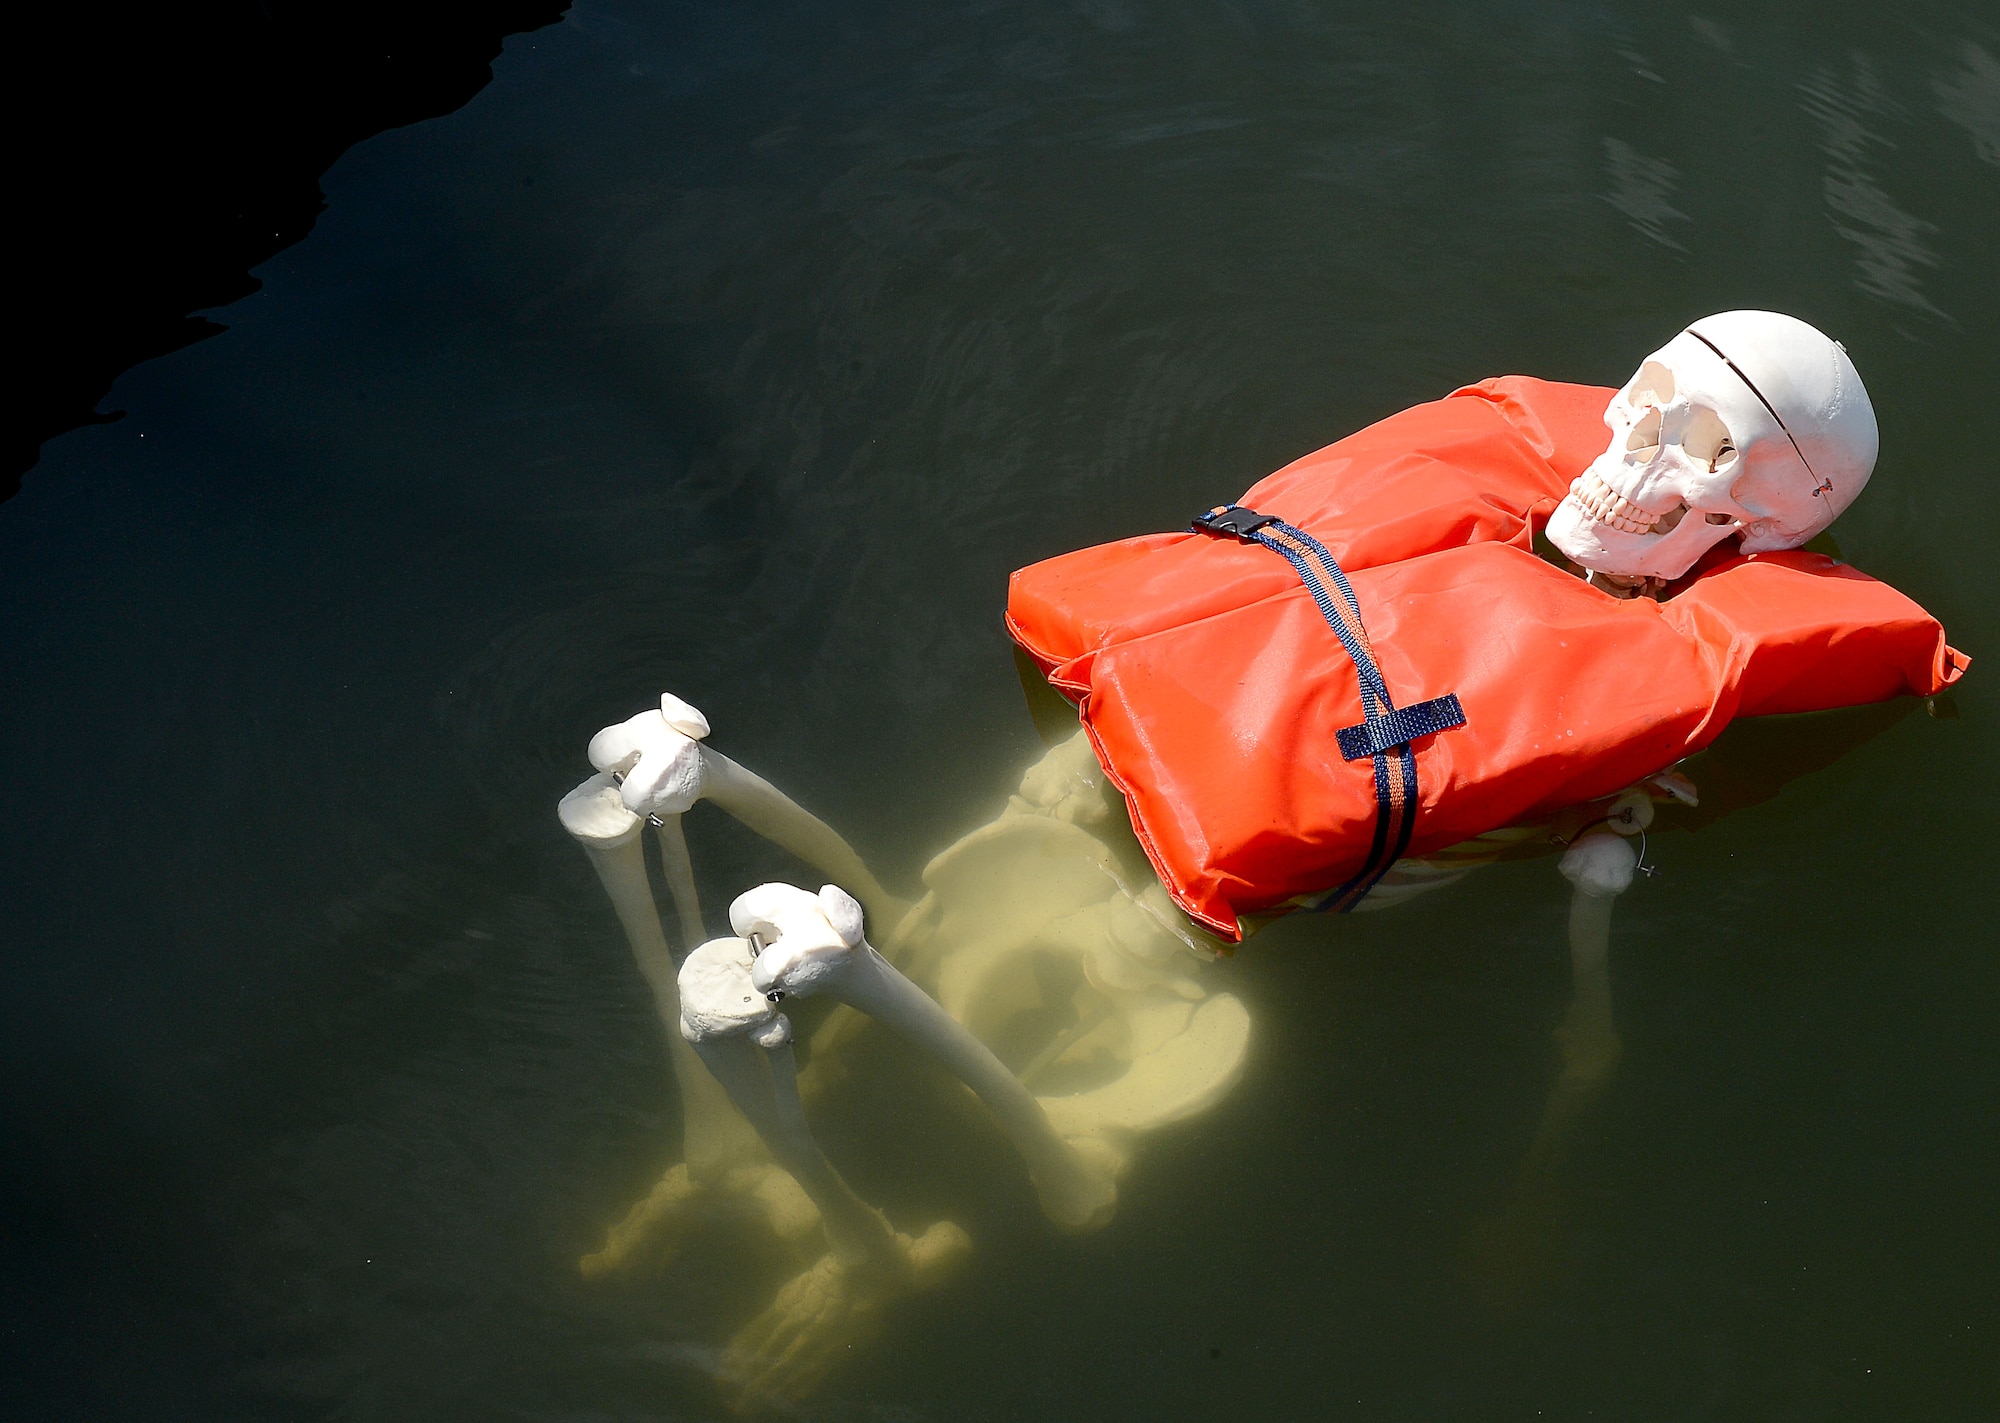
column 743, row 352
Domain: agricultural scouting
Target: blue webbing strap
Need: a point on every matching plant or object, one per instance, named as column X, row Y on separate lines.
column 1384, row 728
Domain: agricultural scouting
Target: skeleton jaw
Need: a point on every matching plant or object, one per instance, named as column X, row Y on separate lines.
column 1607, row 506
column 1609, row 532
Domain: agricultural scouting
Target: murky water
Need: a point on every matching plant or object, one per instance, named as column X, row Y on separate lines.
column 743, row 351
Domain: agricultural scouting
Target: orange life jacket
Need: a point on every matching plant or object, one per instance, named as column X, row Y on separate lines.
column 1213, row 687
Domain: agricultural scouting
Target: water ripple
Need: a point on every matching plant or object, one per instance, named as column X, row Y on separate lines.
column 1970, row 98
column 1640, row 187
column 1892, row 247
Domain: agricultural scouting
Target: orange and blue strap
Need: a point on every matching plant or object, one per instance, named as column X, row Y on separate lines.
column 1385, row 728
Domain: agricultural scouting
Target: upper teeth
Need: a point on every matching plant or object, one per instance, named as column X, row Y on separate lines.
column 1607, row 506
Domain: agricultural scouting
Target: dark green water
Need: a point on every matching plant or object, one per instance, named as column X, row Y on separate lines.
column 742, row 351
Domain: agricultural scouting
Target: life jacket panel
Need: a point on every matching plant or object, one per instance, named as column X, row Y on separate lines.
column 1212, row 686
column 1472, row 468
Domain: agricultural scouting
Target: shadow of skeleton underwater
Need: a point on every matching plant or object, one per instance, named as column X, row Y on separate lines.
column 1058, row 873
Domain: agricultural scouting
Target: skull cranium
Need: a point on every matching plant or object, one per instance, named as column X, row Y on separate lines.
column 1748, row 423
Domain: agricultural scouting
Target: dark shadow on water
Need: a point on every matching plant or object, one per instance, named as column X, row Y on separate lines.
column 166, row 152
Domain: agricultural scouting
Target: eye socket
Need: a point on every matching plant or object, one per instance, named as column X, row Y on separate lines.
column 1645, row 435
column 1652, row 387
column 1707, row 440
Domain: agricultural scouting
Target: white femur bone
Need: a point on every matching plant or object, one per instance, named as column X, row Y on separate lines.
column 662, row 769
column 814, row 945
column 715, row 1136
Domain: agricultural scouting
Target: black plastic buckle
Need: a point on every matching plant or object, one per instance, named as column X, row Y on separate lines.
column 1234, row 520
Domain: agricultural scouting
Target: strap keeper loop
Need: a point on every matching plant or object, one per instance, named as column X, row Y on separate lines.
column 1401, row 726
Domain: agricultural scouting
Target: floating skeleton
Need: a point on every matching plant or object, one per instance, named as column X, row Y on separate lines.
column 1693, row 458
column 1051, row 875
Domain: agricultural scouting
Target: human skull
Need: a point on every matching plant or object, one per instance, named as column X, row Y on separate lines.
column 1749, row 422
